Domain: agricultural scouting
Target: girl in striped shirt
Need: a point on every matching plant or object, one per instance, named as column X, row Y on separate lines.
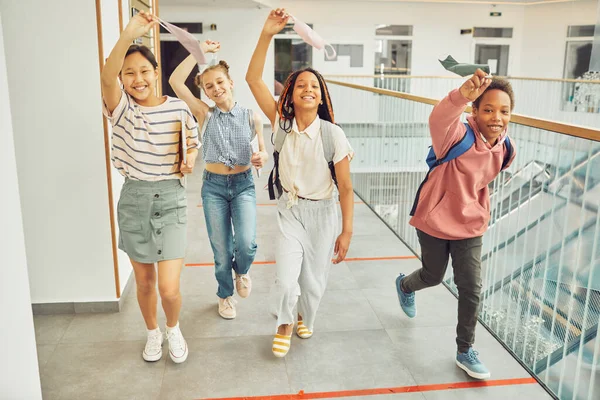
column 154, row 142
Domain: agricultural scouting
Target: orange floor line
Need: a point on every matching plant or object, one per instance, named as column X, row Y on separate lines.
column 346, row 260
column 382, row 391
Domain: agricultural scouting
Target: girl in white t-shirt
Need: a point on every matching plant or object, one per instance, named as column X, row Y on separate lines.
column 307, row 212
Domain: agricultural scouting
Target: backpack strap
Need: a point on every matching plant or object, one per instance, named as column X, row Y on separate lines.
column 509, row 150
column 328, row 146
column 274, row 180
column 280, row 135
column 455, row 151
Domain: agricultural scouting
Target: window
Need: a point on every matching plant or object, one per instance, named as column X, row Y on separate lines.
column 493, row 32
column 394, row 30
column 290, row 55
column 494, row 55
column 579, row 96
column 392, row 57
column 580, row 31
column 355, row 51
column 577, row 58
column 393, row 49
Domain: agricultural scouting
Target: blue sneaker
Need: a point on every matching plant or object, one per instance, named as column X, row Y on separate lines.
column 471, row 365
column 407, row 300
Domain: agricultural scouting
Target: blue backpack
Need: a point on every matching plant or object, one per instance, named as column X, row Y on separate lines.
column 455, row 151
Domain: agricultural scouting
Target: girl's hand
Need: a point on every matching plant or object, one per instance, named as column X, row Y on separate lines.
column 212, row 47
column 276, row 21
column 475, row 86
column 259, row 159
column 140, row 24
column 341, row 247
column 188, row 167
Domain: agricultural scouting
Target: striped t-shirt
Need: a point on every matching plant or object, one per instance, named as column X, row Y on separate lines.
column 146, row 141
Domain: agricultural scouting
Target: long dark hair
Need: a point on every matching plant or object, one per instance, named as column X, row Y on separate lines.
column 285, row 106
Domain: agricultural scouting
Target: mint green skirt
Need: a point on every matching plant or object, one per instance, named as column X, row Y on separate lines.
column 152, row 219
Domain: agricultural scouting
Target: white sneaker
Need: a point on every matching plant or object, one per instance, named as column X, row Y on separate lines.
column 227, row 307
column 178, row 349
column 243, row 285
column 153, row 349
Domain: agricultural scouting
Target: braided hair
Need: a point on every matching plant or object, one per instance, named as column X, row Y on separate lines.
column 285, row 106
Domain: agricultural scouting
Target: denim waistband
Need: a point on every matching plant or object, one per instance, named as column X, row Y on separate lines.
column 224, row 178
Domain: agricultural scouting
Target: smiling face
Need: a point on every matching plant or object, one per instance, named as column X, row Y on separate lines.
column 493, row 114
column 139, row 77
column 217, row 86
column 307, row 92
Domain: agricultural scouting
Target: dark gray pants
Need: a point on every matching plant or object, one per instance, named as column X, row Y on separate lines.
column 466, row 262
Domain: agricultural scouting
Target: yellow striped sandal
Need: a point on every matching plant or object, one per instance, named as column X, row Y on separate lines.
column 281, row 345
column 302, row 331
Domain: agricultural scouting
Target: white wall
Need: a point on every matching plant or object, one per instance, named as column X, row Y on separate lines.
column 544, row 39
column 536, row 49
column 53, row 76
column 20, row 380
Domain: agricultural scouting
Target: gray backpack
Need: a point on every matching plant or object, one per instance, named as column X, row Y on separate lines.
column 328, row 153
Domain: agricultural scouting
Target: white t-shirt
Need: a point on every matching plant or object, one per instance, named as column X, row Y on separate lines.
column 303, row 169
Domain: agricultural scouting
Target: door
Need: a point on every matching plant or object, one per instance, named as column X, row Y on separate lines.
column 495, row 55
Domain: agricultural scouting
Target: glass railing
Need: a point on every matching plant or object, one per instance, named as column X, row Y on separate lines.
column 566, row 100
column 541, row 255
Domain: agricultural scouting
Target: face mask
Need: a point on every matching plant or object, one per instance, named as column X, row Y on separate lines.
column 311, row 37
column 187, row 40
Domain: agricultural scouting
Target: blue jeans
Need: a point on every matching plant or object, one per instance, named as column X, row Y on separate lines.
column 229, row 203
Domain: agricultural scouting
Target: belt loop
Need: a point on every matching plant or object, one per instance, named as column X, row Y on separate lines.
column 206, row 175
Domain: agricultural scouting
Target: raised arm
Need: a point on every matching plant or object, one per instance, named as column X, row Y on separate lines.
column 273, row 25
column 445, row 126
column 179, row 76
column 138, row 26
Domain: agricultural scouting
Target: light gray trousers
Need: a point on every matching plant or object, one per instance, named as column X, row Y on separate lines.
column 307, row 236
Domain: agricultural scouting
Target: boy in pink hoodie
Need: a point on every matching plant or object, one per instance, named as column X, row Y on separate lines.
column 452, row 206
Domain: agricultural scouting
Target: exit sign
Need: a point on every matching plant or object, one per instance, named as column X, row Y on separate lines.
column 495, row 14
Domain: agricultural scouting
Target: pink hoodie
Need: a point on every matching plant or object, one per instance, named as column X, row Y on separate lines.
column 454, row 203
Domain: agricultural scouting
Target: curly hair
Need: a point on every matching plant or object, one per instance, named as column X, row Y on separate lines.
column 498, row 84
column 222, row 65
column 285, row 105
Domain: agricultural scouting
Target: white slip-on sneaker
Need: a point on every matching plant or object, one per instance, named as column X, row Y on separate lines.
column 243, row 285
column 227, row 307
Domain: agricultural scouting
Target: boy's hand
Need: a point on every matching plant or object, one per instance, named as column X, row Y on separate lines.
column 475, row 86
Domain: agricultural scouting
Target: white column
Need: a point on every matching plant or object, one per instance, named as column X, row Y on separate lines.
column 51, row 51
column 20, row 376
